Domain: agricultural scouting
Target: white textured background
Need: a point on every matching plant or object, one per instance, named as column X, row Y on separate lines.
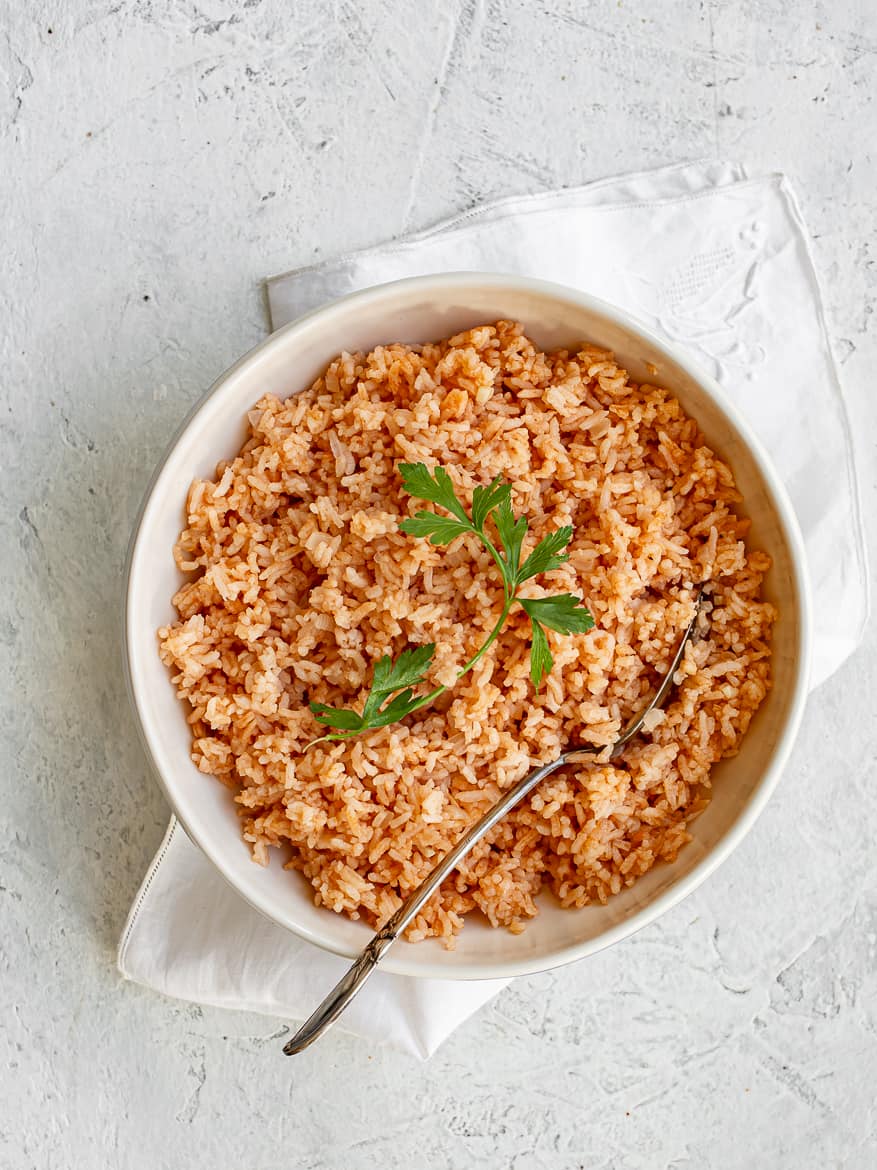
column 156, row 161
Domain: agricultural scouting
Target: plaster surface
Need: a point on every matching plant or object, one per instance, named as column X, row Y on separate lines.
column 157, row 160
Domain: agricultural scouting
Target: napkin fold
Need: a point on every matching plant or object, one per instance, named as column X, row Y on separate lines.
column 706, row 256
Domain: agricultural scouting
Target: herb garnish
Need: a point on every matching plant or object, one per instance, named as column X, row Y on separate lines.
column 391, row 696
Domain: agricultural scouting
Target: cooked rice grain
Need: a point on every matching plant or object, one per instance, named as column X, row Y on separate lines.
column 299, row 579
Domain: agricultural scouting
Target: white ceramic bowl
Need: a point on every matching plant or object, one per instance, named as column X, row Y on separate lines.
column 419, row 310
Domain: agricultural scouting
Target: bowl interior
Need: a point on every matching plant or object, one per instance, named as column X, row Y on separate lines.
column 421, row 310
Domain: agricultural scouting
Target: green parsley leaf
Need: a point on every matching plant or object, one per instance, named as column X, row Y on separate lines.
column 541, row 660
column 547, row 554
column 439, row 529
column 437, row 487
column 511, row 534
column 397, row 708
column 407, row 671
column 337, row 717
column 485, row 499
column 564, row 613
column 388, row 677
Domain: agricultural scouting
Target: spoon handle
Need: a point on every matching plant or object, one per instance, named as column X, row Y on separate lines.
column 338, row 998
column 350, row 983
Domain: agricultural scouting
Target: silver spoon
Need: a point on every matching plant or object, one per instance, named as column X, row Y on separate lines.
column 350, row 983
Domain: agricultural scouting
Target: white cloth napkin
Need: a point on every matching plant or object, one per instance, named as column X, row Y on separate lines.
column 703, row 254
column 191, row 936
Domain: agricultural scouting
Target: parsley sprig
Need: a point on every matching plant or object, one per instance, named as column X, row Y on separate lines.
column 391, row 696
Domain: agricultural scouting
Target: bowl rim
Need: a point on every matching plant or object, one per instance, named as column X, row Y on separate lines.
column 396, row 961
